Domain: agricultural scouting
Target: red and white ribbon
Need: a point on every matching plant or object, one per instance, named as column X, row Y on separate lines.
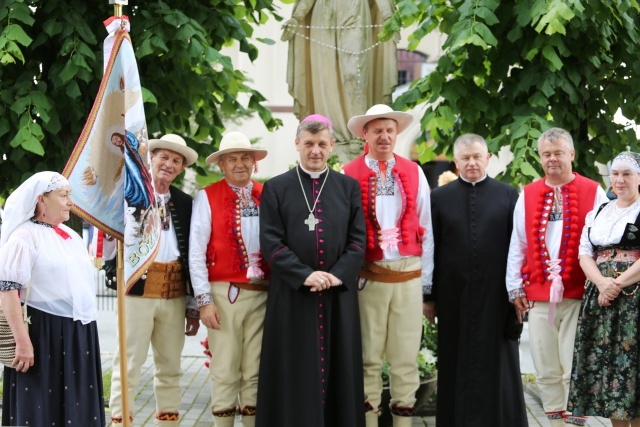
column 557, row 289
column 254, row 271
column 389, row 238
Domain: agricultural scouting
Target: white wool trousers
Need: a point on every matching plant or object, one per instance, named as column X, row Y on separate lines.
column 235, row 348
column 161, row 324
column 552, row 350
column 391, row 323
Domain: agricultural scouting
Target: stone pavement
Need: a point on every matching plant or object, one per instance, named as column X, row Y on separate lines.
column 195, row 411
column 536, row 416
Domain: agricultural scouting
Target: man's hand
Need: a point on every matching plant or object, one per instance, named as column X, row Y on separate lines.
column 288, row 29
column 210, row 316
column 429, row 311
column 193, row 324
column 334, row 280
column 319, row 281
column 522, row 305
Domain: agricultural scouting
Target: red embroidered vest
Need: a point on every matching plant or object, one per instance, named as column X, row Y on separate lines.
column 227, row 257
column 578, row 197
column 410, row 231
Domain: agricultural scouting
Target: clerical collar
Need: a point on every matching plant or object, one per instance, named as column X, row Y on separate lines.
column 313, row 175
column 474, row 182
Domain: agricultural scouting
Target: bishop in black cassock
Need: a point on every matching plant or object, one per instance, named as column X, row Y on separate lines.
column 311, row 362
column 479, row 380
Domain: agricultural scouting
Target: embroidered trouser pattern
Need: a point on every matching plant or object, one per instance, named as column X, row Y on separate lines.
column 391, row 322
column 235, row 348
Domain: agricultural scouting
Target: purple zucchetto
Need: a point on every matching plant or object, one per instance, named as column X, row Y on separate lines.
column 317, row 118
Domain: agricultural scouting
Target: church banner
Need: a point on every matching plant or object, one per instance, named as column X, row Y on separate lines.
column 109, row 169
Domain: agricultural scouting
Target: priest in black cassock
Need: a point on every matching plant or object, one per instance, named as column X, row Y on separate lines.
column 313, row 235
column 479, row 380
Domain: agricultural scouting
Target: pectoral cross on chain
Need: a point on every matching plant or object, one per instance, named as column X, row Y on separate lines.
column 311, row 221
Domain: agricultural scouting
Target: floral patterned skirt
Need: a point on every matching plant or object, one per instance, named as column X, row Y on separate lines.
column 606, row 356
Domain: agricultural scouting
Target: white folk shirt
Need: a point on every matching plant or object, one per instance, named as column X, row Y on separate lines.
column 58, row 271
column 199, row 240
column 388, row 209
column 168, row 250
column 608, row 227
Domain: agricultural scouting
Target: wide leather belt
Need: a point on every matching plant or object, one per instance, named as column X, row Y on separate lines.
column 165, row 280
column 252, row 286
column 378, row 273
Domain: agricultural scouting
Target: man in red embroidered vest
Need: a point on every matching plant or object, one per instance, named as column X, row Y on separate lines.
column 543, row 271
column 399, row 261
column 156, row 305
column 228, row 276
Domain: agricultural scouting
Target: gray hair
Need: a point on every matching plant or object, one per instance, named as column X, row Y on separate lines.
column 313, row 127
column 468, row 139
column 555, row 135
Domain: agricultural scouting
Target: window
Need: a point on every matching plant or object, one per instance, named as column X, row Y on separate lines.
column 410, row 65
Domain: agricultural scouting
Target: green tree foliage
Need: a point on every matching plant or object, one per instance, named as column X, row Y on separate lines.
column 512, row 69
column 51, row 63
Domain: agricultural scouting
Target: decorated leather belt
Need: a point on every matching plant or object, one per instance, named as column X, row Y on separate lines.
column 617, row 255
column 378, row 273
column 252, row 286
column 165, row 280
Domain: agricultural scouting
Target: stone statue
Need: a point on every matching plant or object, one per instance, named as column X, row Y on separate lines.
column 337, row 67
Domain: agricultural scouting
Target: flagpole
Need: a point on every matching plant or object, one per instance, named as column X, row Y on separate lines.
column 122, row 318
column 122, row 335
column 117, row 6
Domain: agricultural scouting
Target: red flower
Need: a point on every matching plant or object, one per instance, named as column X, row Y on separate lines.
column 205, row 344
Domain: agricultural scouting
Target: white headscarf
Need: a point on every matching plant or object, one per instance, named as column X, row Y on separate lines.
column 626, row 160
column 21, row 204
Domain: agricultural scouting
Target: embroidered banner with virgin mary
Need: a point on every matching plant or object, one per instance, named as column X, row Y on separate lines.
column 109, row 167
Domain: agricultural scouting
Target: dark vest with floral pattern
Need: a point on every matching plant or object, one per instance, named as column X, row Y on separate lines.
column 630, row 238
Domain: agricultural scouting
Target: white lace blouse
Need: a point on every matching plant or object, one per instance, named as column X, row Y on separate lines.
column 608, row 227
column 59, row 271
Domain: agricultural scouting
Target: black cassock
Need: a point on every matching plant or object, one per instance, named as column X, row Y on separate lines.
column 479, row 380
column 311, row 360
